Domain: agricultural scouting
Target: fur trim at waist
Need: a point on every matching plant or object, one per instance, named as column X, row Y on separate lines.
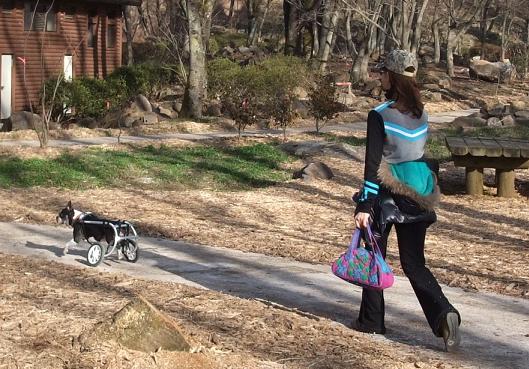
column 395, row 186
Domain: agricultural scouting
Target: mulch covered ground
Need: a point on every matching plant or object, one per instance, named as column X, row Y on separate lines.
column 45, row 306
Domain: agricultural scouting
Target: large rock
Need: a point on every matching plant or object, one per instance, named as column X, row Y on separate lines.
column 469, row 122
column 488, row 71
column 497, row 110
column 167, row 113
column 494, row 122
column 23, row 120
column 445, row 82
column 314, row 170
column 519, row 105
column 508, row 121
column 522, row 114
column 138, row 326
column 143, row 104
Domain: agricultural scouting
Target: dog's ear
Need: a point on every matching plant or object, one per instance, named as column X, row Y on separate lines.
column 69, row 206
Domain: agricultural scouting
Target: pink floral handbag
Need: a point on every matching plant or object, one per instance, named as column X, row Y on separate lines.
column 362, row 266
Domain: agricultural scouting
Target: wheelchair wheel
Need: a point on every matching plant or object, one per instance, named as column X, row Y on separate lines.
column 95, row 255
column 130, row 250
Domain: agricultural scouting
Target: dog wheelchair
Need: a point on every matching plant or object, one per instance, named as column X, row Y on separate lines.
column 125, row 241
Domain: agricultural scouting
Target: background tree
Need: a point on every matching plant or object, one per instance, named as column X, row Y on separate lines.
column 323, row 100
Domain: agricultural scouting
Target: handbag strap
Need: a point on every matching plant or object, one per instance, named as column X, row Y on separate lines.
column 373, row 241
column 355, row 241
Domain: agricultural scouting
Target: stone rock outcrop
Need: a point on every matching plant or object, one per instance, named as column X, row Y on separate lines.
column 315, row 170
column 491, row 71
column 138, row 326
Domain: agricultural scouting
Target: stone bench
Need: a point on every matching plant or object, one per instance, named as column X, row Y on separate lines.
column 476, row 153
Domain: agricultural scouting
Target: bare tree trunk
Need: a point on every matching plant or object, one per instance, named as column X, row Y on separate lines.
column 196, row 80
column 291, row 18
column 417, row 28
column 436, row 42
column 407, row 8
column 255, row 18
column 263, row 18
column 483, row 27
column 348, row 35
column 526, row 61
column 328, row 27
column 127, row 16
column 458, row 28
column 205, row 12
column 450, row 46
column 315, row 39
column 230, row 13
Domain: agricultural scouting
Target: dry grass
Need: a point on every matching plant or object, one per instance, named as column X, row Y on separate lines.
column 45, row 306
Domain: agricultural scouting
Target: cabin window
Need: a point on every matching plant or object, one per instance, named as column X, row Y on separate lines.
column 41, row 17
column 7, row 5
column 112, row 35
column 92, row 32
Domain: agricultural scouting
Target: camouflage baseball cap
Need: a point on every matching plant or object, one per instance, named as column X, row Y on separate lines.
column 398, row 61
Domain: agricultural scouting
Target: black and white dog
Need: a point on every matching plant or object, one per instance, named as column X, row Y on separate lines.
column 75, row 219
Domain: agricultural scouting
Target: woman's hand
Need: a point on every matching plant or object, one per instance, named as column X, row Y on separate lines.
column 362, row 220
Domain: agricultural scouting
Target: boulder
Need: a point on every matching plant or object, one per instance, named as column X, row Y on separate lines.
column 497, row 110
column 522, row 114
column 494, row 122
column 137, row 326
column 244, row 50
column 492, row 72
column 508, row 121
column 469, row 122
column 142, row 103
column 519, row 105
column 314, row 170
column 22, row 120
column 150, row 118
column 129, row 121
column 177, row 106
column 167, row 113
column 445, row 83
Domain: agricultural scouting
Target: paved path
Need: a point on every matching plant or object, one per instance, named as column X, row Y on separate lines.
column 495, row 328
column 90, row 141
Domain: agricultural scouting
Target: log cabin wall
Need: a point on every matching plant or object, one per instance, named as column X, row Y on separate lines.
column 90, row 32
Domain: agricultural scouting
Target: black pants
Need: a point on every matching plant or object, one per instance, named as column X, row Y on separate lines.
column 434, row 304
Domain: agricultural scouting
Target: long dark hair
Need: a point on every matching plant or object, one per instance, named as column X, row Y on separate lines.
column 405, row 90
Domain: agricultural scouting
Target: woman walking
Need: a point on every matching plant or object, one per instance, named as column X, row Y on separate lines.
column 400, row 190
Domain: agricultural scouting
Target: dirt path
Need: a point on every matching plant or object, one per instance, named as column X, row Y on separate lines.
column 495, row 328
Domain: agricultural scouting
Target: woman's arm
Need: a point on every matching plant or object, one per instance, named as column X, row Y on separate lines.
column 374, row 150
